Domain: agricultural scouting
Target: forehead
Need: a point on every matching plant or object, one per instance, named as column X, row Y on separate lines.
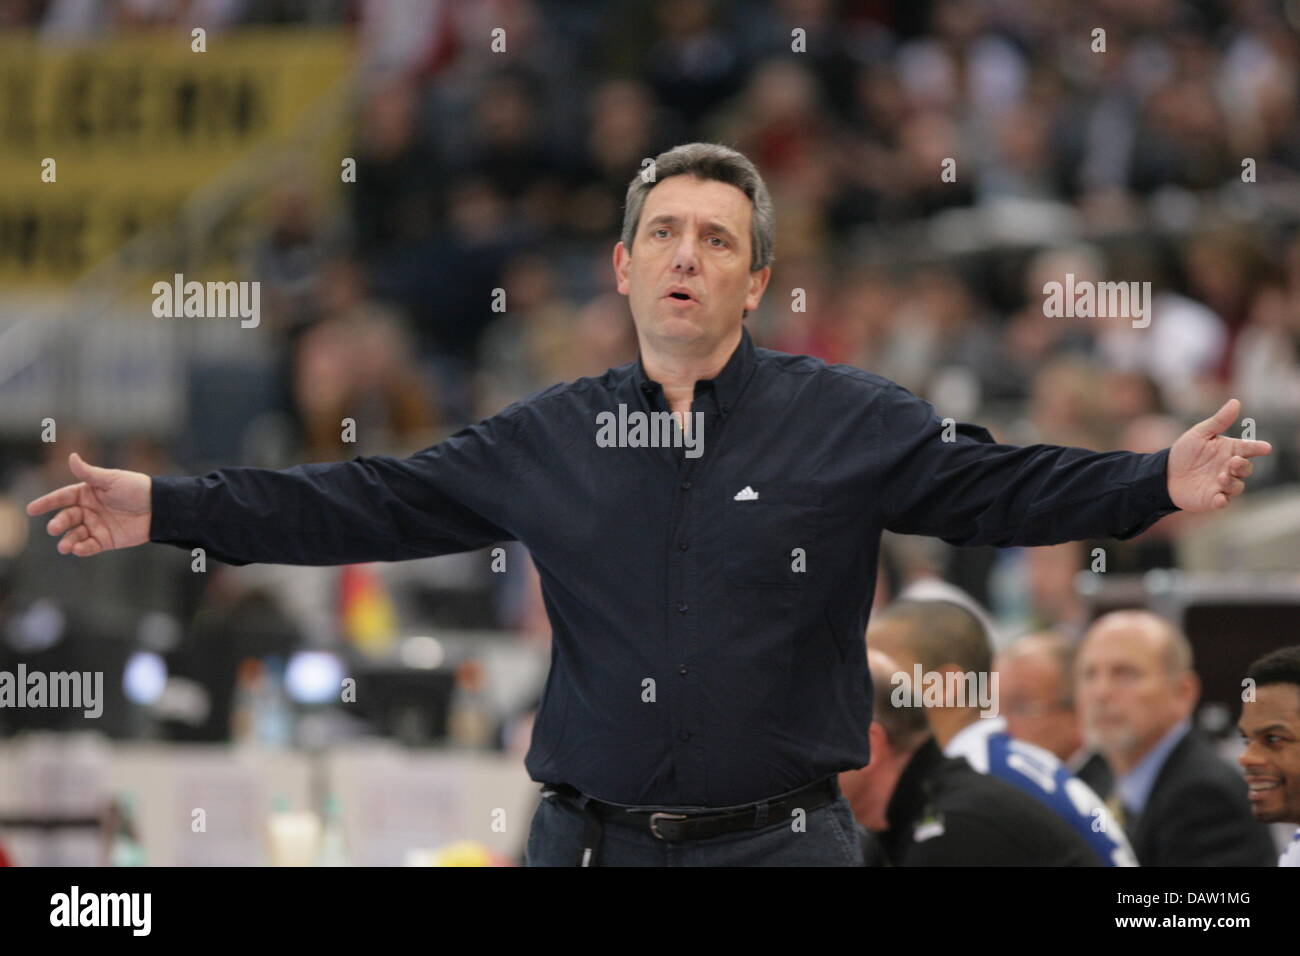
column 1030, row 668
column 1121, row 645
column 1273, row 704
column 688, row 197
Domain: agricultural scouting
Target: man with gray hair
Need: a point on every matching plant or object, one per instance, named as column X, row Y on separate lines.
column 705, row 522
column 1181, row 804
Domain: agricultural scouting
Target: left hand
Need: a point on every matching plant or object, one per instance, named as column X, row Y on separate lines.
column 1207, row 468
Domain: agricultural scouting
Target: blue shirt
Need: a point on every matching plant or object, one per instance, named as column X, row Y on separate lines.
column 707, row 609
column 1135, row 786
column 988, row 748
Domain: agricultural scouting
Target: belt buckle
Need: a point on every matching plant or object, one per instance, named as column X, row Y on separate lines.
column 657, row 815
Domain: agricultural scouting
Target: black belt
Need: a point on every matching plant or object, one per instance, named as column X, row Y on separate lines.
column 690, row 824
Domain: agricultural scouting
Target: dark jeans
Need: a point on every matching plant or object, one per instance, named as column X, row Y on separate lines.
column 829, row 837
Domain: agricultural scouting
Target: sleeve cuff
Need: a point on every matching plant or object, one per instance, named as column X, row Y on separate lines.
column 171, row 503
column 1148, row 497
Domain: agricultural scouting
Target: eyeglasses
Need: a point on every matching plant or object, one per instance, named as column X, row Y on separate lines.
column 1035, row 708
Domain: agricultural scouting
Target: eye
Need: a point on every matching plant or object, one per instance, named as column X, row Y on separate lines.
column 659, row 230
column 720, row 240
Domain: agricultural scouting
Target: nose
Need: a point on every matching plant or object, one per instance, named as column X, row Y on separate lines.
column 1250, row 757
column 686, row 254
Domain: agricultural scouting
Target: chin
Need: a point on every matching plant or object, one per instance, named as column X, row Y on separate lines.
column 679, row 328
column 1268, row 814
column 1111, row 741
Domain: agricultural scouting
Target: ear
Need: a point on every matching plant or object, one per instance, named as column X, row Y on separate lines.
column 757, row 283
column 622, row 261
column 881, row 751
column 1189, row 691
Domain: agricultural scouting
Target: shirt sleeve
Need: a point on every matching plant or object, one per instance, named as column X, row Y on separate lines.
column 454, row 496
column 959, row 485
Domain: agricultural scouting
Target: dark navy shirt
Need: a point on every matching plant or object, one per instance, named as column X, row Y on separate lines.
column 707, row 648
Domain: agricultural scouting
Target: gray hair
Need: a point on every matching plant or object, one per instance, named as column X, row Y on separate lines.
column 709, row 161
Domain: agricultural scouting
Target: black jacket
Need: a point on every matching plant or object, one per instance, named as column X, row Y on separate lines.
column 1198, row 814
column 944, row 813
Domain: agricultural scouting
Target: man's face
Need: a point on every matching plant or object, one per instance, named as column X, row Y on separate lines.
column 1035, row 706
column 693, row 237
column 1270, row 726
column 1127, row 698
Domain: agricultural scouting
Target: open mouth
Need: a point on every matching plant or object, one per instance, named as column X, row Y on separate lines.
column 1258, row 788
column 680, row 296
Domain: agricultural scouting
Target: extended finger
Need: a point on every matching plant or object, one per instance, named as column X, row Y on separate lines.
column 59, row 498
column 65, row 519
column 1252, row 448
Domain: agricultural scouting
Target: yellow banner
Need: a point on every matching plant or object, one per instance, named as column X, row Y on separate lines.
column 101, row 140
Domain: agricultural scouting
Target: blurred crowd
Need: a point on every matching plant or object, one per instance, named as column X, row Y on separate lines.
column 481, row 170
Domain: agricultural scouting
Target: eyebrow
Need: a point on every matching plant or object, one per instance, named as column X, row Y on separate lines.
column 670, row 220
column 1265, row 730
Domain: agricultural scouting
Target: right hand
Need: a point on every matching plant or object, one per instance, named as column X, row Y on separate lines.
column 109, row 508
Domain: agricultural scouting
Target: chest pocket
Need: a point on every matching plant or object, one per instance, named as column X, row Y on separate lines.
column 761, row 534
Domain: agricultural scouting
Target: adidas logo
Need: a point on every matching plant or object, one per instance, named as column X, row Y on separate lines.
column 746, row 494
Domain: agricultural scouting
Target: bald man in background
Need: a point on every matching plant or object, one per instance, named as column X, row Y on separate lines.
column 1038, row 694
column 1036, row 677
column 1180, row 803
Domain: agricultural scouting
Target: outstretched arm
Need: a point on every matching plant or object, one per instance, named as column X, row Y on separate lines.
column 972, row 491
column 454, row 496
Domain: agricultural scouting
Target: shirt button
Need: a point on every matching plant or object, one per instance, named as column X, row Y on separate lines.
column 681, row 669
column 725, row 409
column 682, row 545
column 686, row 486
column 681, row 606
column 683, row 735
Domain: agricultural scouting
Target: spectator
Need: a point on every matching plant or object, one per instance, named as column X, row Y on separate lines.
column 1180, row 803
column 1270, row 726
column 921, row 808
column 943, row 642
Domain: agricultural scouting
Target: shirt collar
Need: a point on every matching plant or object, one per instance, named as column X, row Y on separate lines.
column 726, row 385
column 972, row 739
column 1135, row 786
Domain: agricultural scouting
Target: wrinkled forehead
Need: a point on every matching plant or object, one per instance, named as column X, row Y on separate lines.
column 1031, row 672
column 688, row 198
column 1129, row 647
